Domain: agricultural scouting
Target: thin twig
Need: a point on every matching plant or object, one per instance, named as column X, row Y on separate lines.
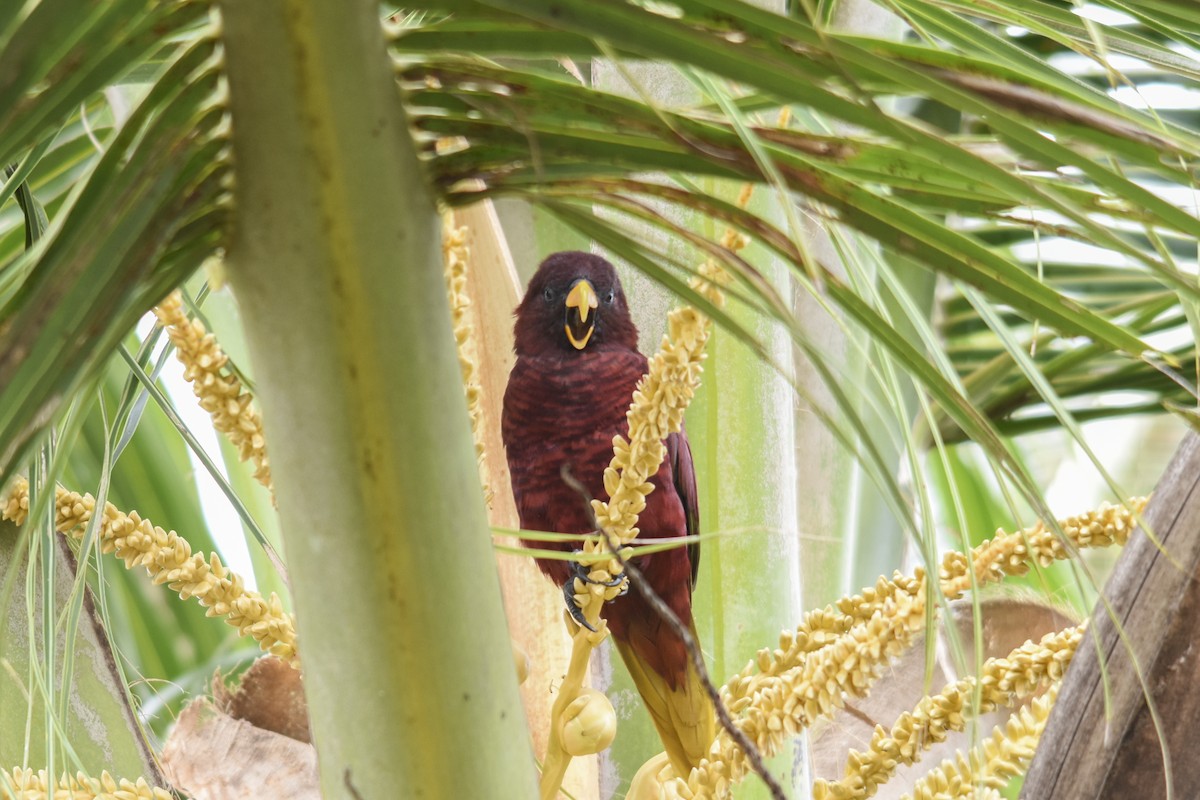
column 668, row 616
column 860, row 716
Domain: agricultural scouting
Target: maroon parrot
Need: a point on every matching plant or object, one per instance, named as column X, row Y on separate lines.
column 576, row 368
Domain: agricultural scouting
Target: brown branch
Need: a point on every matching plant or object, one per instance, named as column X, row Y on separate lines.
column 1033, row 102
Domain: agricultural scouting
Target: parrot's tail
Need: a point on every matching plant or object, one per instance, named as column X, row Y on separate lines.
column 677, row 702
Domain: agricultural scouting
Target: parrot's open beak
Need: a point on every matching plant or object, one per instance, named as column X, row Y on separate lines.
column 580, row 302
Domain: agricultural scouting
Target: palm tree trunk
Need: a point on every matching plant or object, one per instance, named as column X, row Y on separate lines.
column 407, row 665
column 1103, row 739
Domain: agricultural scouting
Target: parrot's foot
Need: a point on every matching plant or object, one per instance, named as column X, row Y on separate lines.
column 580, row 571
column 583, row 574
column 573, row 608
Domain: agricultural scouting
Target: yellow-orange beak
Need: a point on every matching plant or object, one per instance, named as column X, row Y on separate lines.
column 582, row 298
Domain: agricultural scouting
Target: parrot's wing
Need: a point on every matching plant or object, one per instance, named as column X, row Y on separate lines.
column 684, row 474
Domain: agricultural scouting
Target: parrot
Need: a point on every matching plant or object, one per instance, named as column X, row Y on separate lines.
column 577, row 364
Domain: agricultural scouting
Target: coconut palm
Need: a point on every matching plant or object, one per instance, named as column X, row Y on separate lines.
column 917, row 167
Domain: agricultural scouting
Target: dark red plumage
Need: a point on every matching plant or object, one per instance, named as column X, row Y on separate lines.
column 563, row 406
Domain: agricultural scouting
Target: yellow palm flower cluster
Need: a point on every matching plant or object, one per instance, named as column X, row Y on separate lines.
column 817, row 630
column 169, row 559
column 659, row 401
column 1006, row 554
column 454, row 258
column 712, row 276
column 25, row 784
column 219, row 393
column 781, row 705
column 1002, row 682
column 843, row 647
column 1015, row 553
column 1004, row 755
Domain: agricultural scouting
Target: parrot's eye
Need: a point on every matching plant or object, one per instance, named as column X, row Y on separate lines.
column 608, row 298
column 548, row 294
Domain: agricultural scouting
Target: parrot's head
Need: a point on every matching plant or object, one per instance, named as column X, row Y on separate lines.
column 574, row 303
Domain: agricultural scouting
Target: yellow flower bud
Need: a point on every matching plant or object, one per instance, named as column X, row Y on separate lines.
column 647, row 783
column 589, row 724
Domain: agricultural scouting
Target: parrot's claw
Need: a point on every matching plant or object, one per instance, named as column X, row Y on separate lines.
column 573, row 608
column 583, row 573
